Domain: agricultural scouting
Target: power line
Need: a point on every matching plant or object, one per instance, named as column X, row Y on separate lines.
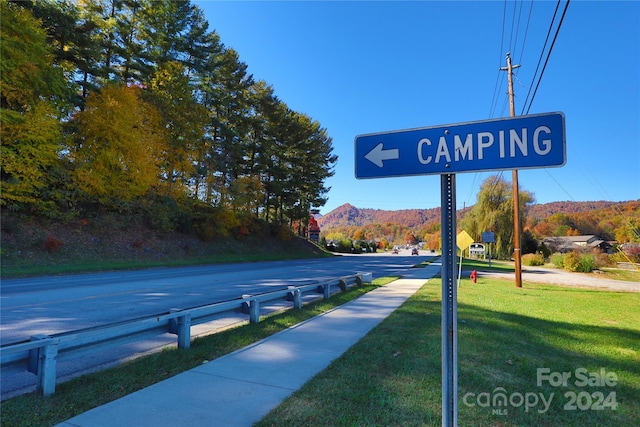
column 513, row 20
column 500, row 76
column 504, row 17
column 526, row 31
column 564, row 12
column 515, row 42
column 541, row 54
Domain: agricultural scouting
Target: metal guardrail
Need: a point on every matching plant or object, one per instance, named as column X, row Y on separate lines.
column 40, row 355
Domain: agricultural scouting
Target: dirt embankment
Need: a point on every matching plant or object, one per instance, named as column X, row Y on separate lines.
column 28, row 243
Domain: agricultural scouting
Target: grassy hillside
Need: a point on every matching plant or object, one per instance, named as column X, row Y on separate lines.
column 31, row 247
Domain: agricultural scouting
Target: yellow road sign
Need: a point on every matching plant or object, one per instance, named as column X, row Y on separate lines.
column 463, row 240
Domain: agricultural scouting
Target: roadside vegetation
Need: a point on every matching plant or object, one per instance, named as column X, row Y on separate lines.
column 393, row 375
column 508, row 266
column 118, row 242
column 621, row 274
column 103, row 132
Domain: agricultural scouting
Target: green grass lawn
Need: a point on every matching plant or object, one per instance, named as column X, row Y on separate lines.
column 506, row 334
column 621, row 274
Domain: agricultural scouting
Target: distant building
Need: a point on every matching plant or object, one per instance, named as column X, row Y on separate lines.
column 564, row 244
column 314, row 229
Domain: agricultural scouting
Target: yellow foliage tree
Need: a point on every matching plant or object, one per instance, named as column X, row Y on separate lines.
column 31, row 98
column 120, row 141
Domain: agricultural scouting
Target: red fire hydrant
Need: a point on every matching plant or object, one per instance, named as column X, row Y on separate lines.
column 474, row 276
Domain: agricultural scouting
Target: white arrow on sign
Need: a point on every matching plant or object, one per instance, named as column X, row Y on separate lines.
column 377, row 155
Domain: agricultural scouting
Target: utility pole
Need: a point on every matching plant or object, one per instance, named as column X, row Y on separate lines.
column 514, row 174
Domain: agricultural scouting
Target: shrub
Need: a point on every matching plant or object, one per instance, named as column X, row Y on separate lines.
column 285, row 233
column 557, row 260
column 604, row 260
column 542, row 248
column 225, row 221
column 533, row 259
column 586, row 263
column 160, row 213
column 344, row 246
column 205, row 230
column 571, row 261
column 51, row 244
column 582, row 263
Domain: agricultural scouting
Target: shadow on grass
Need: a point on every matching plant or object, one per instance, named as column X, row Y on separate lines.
column 506, row 350
column 393, row 375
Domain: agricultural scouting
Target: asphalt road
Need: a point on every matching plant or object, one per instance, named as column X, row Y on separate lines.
column 55, row 304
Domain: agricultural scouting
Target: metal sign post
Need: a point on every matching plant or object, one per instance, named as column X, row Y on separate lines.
column 449, row 302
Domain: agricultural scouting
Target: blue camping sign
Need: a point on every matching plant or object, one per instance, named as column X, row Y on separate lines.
column 524, row 142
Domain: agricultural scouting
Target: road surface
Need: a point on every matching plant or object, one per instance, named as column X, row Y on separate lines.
column 56, row 304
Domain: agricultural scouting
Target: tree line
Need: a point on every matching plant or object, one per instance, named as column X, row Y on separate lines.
column 493, row 211
column 137, row 106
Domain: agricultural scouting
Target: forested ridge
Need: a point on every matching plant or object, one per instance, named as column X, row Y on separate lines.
column 136, row 108
column 619, row 221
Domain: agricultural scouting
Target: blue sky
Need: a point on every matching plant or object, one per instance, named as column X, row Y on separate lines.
column 367, row 67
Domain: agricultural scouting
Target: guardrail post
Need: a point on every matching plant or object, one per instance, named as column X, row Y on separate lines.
column 295, row 295
column 42, row 362
column 254, row 311
column 327, row 290
column 181, row 326
column 297, row 298
column 366, row 278
column 343, row 285
column 246, row 304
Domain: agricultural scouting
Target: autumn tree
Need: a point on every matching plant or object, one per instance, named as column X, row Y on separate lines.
column 410, row 238
column 148, row 78
column 119, row 145
column 629, row 232
column 493, row 211
column 33, row 98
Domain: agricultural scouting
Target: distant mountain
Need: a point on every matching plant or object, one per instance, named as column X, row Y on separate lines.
column 541, row 211
column 348, row 215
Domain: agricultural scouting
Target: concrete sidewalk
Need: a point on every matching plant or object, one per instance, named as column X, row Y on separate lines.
column 240, row 388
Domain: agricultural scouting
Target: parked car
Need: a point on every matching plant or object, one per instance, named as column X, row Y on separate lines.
column 414, row 251
column 395, row 251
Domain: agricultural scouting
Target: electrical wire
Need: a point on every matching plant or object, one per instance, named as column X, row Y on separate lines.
column 526, row 31
column 564, row 12
column 530, row 97
column 515, row 42
column 541, row 54
column 500, row 76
